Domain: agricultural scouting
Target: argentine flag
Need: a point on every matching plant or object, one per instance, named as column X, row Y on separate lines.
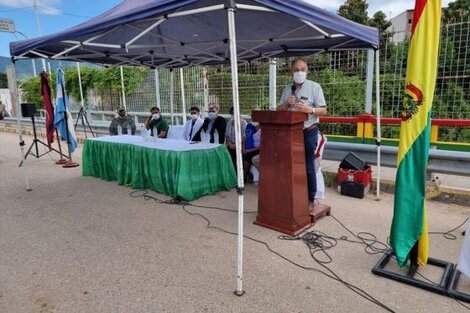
column 62, row 111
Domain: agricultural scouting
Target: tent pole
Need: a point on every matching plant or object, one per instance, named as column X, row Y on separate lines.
column 238, row 143
column 157, row 86
column 369, row 80
column 379, row 134
column 123, row 90
column 272, row 83
column 82, row 101
column 172, row 91
column 34, row 67
column 206, row 89
column 183, row 101
column 15, row 98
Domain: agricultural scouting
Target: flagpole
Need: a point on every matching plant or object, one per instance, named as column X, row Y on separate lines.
column 70, row 163
column 379, row 133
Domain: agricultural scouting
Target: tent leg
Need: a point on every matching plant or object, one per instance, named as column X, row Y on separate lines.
column 172, row 94
column 379, row 134
column 238, row 138
column 272, row 83
column 122, row 89
column 157, row 87
column 14, row 97
column 183, row 101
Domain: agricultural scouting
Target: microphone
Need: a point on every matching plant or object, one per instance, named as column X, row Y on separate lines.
column 293, row 88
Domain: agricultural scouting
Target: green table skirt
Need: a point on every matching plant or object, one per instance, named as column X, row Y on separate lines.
column 187, row 174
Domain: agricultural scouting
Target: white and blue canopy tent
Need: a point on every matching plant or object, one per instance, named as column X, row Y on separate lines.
column 180, row 33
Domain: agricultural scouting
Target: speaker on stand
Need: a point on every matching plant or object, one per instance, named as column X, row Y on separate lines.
column 29, row 110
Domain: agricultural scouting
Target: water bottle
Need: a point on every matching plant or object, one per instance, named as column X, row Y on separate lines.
column 203, row 136
column 216, row 136
column 143, row 133
column 155, row 133
column 119, row 129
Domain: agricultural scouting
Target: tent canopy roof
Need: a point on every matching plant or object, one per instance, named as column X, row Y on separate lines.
column 176, row 33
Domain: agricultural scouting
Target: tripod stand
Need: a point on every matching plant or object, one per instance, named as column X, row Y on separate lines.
column 35, row 144
column 83, row 117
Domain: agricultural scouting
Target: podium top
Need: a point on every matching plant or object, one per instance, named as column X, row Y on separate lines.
column 278, row 117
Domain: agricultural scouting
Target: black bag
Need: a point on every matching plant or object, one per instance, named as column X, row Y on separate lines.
column 352, row 189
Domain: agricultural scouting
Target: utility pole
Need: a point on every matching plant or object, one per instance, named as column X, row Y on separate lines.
column 38, row 27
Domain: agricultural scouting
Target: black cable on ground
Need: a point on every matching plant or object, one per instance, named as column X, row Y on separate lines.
column 316, row 241
column 448, row 234
column 329, row 242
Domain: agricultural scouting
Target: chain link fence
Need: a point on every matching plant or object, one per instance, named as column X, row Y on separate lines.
column 342, row 74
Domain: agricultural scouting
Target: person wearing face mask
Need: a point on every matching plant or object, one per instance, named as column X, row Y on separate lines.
column 155, row 120
column 230, row 137
column 305, row 96
column 250, row 152
column 192, row 128
column 215, row 122
column 124, row 121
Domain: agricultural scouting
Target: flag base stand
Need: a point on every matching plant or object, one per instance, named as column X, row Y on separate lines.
column 452, row 288
column 69, row 164
column 409, row 278
column 61, row 162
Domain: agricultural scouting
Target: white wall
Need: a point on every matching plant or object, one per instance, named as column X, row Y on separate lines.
column 5, row 97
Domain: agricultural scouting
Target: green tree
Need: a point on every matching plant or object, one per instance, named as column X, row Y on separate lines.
column 3, row 80
column 455, row 11
column 355, row 10
column 379, row 20
column 31, row 89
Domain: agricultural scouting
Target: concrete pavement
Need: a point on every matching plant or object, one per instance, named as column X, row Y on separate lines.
column 81, row 244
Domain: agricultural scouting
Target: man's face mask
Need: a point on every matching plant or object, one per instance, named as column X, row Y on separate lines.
column 212, row 115
column 194, row 115
column 155, row 116
column 299, row 77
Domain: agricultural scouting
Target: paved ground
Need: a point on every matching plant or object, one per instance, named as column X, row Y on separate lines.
column 80, row 244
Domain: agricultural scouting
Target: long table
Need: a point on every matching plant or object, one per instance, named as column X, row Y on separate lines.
column 176, row 168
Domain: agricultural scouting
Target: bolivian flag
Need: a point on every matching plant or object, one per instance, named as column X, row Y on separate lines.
column 409, row 220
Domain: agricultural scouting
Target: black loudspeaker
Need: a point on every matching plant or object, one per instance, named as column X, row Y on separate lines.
column 28, row 109
column 352, row 162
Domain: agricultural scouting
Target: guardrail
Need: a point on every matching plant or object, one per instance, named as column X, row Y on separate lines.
column 365, row 124
column 440, row 161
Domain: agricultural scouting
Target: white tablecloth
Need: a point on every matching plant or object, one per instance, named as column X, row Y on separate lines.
column 161, row 144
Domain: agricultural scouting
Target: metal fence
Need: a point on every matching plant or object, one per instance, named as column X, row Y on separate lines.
column 342, row 75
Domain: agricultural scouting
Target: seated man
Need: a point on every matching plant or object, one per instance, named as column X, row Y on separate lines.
column 192, row 128
column 230, row 137
column 157, row 122
column 124, row 121
column 215, row 122
column 253, row 150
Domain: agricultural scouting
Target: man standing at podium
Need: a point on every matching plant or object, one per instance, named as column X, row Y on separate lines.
column 305, row 96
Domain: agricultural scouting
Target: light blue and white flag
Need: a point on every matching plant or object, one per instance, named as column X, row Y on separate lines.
column 62, row 111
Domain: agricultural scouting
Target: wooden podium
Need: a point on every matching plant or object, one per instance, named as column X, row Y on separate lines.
column 283, row 195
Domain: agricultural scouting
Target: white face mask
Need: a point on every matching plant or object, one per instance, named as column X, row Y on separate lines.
column 194, row 116
column 156, row 116
column 299, row 77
